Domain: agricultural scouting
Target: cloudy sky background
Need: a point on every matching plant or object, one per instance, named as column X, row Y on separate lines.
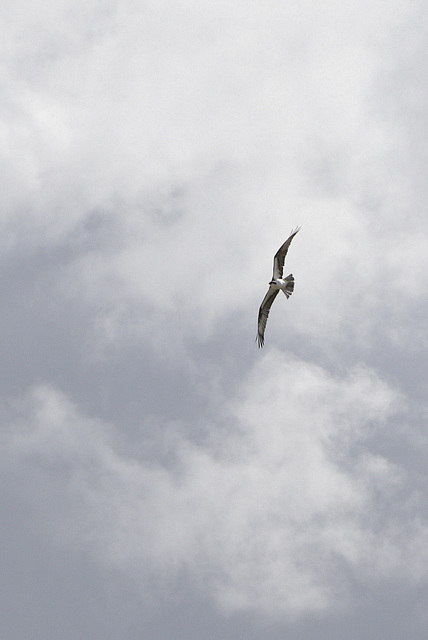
column 161, row 477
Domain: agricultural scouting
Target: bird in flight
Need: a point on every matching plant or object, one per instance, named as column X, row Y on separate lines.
column 278, row 283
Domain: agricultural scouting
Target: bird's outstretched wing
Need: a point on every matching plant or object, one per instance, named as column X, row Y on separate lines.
column 279, row 258
column 264, row 313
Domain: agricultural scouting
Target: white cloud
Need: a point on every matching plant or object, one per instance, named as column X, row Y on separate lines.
column 154, row 156
column 279, row 510
column 199, row 137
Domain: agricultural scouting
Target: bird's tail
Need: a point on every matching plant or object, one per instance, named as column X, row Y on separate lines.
column 290, row 285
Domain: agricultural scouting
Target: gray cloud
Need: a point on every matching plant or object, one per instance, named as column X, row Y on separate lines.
column 274, row 511
column 154, row 462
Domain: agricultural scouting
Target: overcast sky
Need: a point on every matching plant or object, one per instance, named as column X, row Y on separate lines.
column 161, row 477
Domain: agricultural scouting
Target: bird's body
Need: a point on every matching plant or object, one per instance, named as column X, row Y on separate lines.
column 278, row 283
column 281, row 283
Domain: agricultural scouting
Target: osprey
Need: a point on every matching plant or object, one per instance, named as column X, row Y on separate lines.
column 278, row 283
